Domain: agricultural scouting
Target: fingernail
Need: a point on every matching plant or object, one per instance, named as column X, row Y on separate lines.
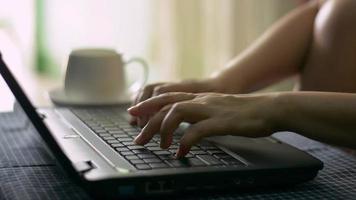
column 166, row 144
column 138, row 140
column 181, row 152
column 131, row 110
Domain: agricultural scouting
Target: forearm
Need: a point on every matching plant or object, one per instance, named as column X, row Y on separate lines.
column 327, row 117
column 275, row 55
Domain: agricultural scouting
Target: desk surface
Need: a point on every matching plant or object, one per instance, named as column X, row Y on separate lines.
column 28, row 170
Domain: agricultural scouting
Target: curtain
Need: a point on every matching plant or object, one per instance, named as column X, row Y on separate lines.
column 193, row 38
column 181, row 39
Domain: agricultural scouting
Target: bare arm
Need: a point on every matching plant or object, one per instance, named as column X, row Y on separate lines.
column 277, row 54
column 324, row 116
column 327, row 117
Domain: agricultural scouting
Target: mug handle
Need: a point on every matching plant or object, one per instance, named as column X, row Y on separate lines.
column 135, row 86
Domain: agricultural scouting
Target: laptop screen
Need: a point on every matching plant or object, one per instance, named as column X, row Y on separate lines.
column 30, row 111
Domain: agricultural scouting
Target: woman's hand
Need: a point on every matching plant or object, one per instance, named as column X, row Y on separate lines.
column 206, row 85
column 210, row 114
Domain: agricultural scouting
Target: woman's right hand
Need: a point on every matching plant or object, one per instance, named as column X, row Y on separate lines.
column 189, row 86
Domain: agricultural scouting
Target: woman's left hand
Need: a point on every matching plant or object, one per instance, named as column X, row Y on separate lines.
column 209, row 113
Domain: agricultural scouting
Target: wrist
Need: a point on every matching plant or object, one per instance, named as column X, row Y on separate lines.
column 213, row 85
column 221, row 85
column 279, row 111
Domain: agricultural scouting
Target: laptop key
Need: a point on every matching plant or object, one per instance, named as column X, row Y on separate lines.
column 138, row 161
column 194, row 148
column 166, row 157
column 122, row 149
column 189, row 155
column 107, row 124
column 162, row 152
column 152, row 160
column 218, row 151
column 111, row 128
column 210, row 148
column 129, row 143
column 135, row 147
column 95, row 127
column 124, row 139
column 123, row 126
column 112, row 141
column 186, row 162
column 198, row 152
column 146, row 156
column 133, row 157
column 142, row 166
column 195, row 162
column 117, row 132
column 174, row 146
column 175, row 163
column 134, row 130
column 131, row 133
column 173, row 151
column 142, row 151
column 104, row 134
column 127, row 153
column 92, row 123
column 157, row 165
column 221, row 155
column 119, row 136
column 151, row 144
column 108, row 138
column 156, row 148
column 117, row 145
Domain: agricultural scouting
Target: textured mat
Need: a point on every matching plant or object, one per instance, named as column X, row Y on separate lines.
column 28, row 171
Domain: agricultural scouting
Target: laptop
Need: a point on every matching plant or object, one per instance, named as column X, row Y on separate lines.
column 95, row 146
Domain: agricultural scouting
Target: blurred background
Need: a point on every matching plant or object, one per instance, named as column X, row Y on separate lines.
column 180, row 39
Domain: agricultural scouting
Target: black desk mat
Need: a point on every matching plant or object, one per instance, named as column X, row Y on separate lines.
column 28, row 171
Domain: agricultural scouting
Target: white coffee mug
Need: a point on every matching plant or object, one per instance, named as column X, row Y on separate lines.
column 97, row 77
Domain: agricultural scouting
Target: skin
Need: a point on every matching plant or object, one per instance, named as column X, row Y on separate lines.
column 328, row 117
column 315, row 42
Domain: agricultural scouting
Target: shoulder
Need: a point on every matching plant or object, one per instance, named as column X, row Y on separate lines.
column 339, row 14
column 339, row 6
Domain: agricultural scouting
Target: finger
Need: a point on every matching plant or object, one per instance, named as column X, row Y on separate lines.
column 133, row 121
column 198, row 131
column 144, row 117
column 180, row 112
column 152, row 127
column 154, row 104
column 174, row 87
column 135, row 101
column 146, row 92
column 142, row 121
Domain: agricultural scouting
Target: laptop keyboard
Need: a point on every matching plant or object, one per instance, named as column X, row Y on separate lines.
column 113, row 127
